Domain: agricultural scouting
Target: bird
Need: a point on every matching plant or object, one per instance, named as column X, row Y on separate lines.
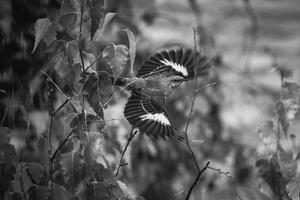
column 155, row 80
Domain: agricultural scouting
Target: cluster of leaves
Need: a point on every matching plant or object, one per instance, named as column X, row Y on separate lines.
column 279, row 166
column 68, row 165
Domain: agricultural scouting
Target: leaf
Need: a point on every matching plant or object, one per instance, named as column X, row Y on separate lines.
column 40, row 192
column 132, row 48
column 286, row 111
column 268, row 135
column 293, row 189
column 290, row 90
column 58, row 59
column 106, row 186
column 73, row 53
column 59, row 193
column 270, row 171
column 116, row 56
column 97, row 15
column 88, row 60
column 50, row 35
column 7, row 175
column 101, row 191
column 68, row 13
column 107, row 19
column 97, row 88
column 40, row 28
column 106, row 175
column 288, row 166
column 93, row 122
column 72, row 166
column 7, row 153
column 4, row 135
column 93, row 150
column 37, row 192
column 69, row 7
column 129, row 193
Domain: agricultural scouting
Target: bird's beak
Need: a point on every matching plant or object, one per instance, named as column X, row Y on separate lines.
column 185, row 79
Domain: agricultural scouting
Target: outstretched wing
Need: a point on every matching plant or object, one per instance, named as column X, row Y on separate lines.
column 143, row 113
column 181, row 61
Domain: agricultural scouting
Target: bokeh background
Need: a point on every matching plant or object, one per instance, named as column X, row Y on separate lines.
column 245, row 40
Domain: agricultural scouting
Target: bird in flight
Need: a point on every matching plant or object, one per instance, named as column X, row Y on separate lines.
column 160, row 74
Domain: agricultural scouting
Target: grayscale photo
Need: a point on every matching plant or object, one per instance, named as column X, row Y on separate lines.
column 149, row 100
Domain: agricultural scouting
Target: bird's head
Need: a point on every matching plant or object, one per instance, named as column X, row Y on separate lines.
column 176, row 80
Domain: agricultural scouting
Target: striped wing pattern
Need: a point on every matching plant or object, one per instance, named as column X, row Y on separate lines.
column 143, row 113
column 181, row 61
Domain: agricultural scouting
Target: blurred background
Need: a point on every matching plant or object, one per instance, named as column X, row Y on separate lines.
column 245, row 40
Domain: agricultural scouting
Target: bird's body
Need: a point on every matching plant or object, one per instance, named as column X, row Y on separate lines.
column 156, row 79
column 161, row 84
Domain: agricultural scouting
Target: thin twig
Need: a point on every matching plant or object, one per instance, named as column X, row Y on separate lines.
column 196, row 180
column 230, row 179
column 60, row 91
column 200, row 171
column 192, row 107
column 219, row 171
column 61, row 145
column 61, row 106
column 80, row 36
column 88, row 67
column 131, row 136
column 84, row 123
column 30, row 176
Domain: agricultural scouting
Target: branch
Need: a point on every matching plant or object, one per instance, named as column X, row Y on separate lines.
column 49, row 136
column 131, row 136
column 82, row 64
column 188, row 123
column 196, row 180
column 60, row 91
column 60, row 146
column 61, row 106
column 192, row 107
column 219, row 171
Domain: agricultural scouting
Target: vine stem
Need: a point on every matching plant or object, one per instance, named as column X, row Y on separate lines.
column 131, row 136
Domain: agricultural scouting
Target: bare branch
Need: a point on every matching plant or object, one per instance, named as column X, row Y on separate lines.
column 192, row 107
column 60, row 107
column 60, row 146
column 200, row 171
column 196, row 180
column 131, row 136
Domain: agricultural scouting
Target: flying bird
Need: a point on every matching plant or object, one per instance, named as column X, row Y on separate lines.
column 157, row 77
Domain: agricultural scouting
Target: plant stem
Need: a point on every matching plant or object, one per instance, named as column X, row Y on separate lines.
column 131, row 136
